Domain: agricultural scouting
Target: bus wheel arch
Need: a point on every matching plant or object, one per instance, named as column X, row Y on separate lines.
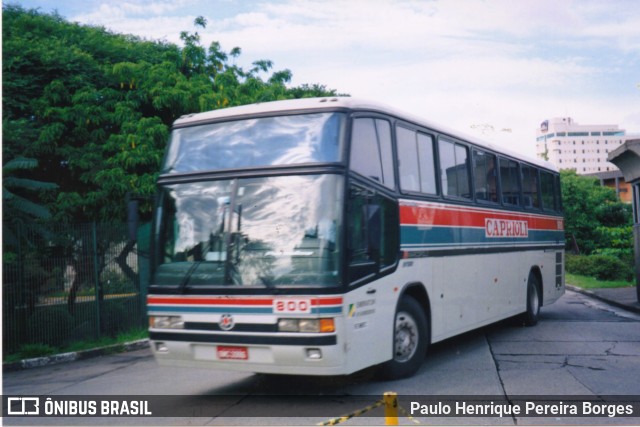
column 534, row 297
column 411, row 334
column 418, row 292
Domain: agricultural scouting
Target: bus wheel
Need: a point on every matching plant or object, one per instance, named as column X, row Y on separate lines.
column 409, row 340
column 530, row 317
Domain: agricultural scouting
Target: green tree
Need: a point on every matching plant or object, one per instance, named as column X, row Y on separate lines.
column 587, row 206
column 94, row 108
column 17, row 193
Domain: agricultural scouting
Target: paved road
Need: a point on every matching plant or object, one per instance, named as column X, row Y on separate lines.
column 581, row 347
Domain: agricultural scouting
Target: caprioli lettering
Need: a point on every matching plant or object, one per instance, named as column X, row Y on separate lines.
column 494, row 227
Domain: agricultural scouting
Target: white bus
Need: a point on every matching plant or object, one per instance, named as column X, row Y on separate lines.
column 323, row 236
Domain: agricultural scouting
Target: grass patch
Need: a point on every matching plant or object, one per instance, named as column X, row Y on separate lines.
column 29, row 351
column 586, row 282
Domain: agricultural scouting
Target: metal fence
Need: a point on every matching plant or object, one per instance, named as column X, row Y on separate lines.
column 66, row 284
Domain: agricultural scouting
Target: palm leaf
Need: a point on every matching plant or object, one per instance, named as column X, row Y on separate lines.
column 16, row 205
column 28, row 184
column 20, row 163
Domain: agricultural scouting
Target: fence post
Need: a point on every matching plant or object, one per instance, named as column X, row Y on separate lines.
column 20, row 296
column 96, row 277
column 144, row 254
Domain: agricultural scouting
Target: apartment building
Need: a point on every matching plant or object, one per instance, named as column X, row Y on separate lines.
column 585, row 148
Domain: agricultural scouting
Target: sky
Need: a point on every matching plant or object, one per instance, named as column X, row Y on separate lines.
column 490, row 68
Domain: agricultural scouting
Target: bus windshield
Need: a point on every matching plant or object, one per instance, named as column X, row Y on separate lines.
column 269, row 232
column 257, row 142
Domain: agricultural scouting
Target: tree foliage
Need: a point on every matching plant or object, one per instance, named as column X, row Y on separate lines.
column 594, row 216
column 94, row 108
column 18, row 193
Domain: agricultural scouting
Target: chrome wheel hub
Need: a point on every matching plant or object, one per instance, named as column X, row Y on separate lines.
column 406, row 337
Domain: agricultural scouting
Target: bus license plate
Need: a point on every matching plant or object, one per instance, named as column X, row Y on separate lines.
column 232, row 353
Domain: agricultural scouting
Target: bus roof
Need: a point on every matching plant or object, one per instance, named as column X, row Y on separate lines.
column 337, row 102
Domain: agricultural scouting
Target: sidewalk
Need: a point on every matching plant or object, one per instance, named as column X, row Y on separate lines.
column 74, row 356
column 626, row 298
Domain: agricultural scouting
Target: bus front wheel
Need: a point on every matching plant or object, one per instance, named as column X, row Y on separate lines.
column 530, row 317
column 409, row 340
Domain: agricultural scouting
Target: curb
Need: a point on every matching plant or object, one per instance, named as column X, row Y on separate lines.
column 603, row 299
column 75, row 355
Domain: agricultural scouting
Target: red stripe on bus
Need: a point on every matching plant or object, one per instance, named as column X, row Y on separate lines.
column 212, row 301
column 233, row 301
column 460, row 217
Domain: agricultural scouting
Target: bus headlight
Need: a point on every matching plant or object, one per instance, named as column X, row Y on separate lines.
column 288, row 325
column 166, row 322
column 307, row 325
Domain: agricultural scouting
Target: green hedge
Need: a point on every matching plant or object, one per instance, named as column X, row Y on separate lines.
column 601, row 267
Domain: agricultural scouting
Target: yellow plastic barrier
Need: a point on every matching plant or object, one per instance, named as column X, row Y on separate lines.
column 391, row 408
column 334, row 421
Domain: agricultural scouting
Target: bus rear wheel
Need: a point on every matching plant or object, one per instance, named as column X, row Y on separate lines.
column 530, row 317
column 409, row 340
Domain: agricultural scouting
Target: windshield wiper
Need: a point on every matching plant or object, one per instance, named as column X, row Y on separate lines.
column 183, row 284
column 267, row 282
column 228, row 234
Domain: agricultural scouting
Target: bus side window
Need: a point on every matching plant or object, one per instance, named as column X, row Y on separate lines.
column 547, row 184
column 530, row 187
column 485, row 176
column 427, row 164
column 408, row 165
column 509, row 182
column 371, row 152
column 454, row 169
column 373, row 233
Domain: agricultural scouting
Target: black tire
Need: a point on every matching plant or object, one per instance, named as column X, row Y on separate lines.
column 534, row 301
column 410, row 336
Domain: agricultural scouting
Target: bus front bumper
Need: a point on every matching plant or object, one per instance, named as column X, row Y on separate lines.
column 313, row 358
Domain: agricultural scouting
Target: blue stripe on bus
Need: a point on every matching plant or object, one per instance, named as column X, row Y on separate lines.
column 239, row 310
